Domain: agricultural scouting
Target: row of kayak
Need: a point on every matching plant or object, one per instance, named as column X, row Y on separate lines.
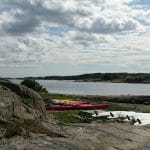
column 76, row 106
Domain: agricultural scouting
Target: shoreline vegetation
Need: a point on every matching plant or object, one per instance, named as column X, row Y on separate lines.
column 102, row 77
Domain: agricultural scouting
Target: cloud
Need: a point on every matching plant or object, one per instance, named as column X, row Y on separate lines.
column 74, row 14
column 74, row 31
column 104, row 25
column 17, row 66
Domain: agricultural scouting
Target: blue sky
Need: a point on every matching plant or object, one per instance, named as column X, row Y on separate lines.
column 55, row 37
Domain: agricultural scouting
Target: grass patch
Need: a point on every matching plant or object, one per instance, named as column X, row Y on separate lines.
column 60, row 96
column 72, row 116
column 67, row 116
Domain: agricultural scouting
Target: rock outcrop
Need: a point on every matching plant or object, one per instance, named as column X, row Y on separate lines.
column 95, row 136
column 18, row 102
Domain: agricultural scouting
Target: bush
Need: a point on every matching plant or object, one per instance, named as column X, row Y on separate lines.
column 31, row 83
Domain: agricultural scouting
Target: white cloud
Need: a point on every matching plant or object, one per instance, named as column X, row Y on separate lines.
column 99, row 31
column 74, row 14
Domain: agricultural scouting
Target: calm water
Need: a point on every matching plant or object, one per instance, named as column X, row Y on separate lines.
column 92, row 88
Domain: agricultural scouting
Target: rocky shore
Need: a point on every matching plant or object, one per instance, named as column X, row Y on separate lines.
column 25, row 125
column 94, row 136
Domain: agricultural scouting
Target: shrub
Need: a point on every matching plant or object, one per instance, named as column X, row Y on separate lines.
column 31, row 83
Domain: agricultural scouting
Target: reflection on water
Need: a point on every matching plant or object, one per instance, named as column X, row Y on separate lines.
column 93, row 88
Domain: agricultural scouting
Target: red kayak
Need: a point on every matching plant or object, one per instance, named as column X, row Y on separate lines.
column 76, row 106
column 91, row 106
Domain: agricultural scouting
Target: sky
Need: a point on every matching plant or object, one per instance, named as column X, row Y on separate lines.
column 68, row 37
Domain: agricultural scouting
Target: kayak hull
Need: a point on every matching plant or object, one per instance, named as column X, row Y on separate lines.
column 76, row 106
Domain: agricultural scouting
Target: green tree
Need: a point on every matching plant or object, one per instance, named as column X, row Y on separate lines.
column 31, row 83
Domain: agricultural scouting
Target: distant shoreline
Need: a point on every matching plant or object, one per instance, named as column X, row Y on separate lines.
column 101, row 77
column 147, row 82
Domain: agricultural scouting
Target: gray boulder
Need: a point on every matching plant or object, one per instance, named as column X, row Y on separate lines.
column 18, row 102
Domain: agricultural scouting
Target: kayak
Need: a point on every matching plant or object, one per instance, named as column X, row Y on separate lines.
column 92, row 106
column 81, row 106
